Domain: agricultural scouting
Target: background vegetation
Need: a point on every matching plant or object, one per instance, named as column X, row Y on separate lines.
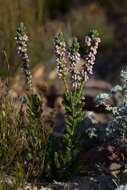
column 44, row 18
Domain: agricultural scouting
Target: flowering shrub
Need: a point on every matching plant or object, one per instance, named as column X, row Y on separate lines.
column 34, row 131
column 74, row 74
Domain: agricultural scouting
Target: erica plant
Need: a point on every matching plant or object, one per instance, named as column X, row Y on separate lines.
column 74, row 75
column 33, row 101
column 35, row 134
column 22, row 51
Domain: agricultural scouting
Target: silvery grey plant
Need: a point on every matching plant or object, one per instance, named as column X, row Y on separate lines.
column 121, row 187
column 117, row 127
